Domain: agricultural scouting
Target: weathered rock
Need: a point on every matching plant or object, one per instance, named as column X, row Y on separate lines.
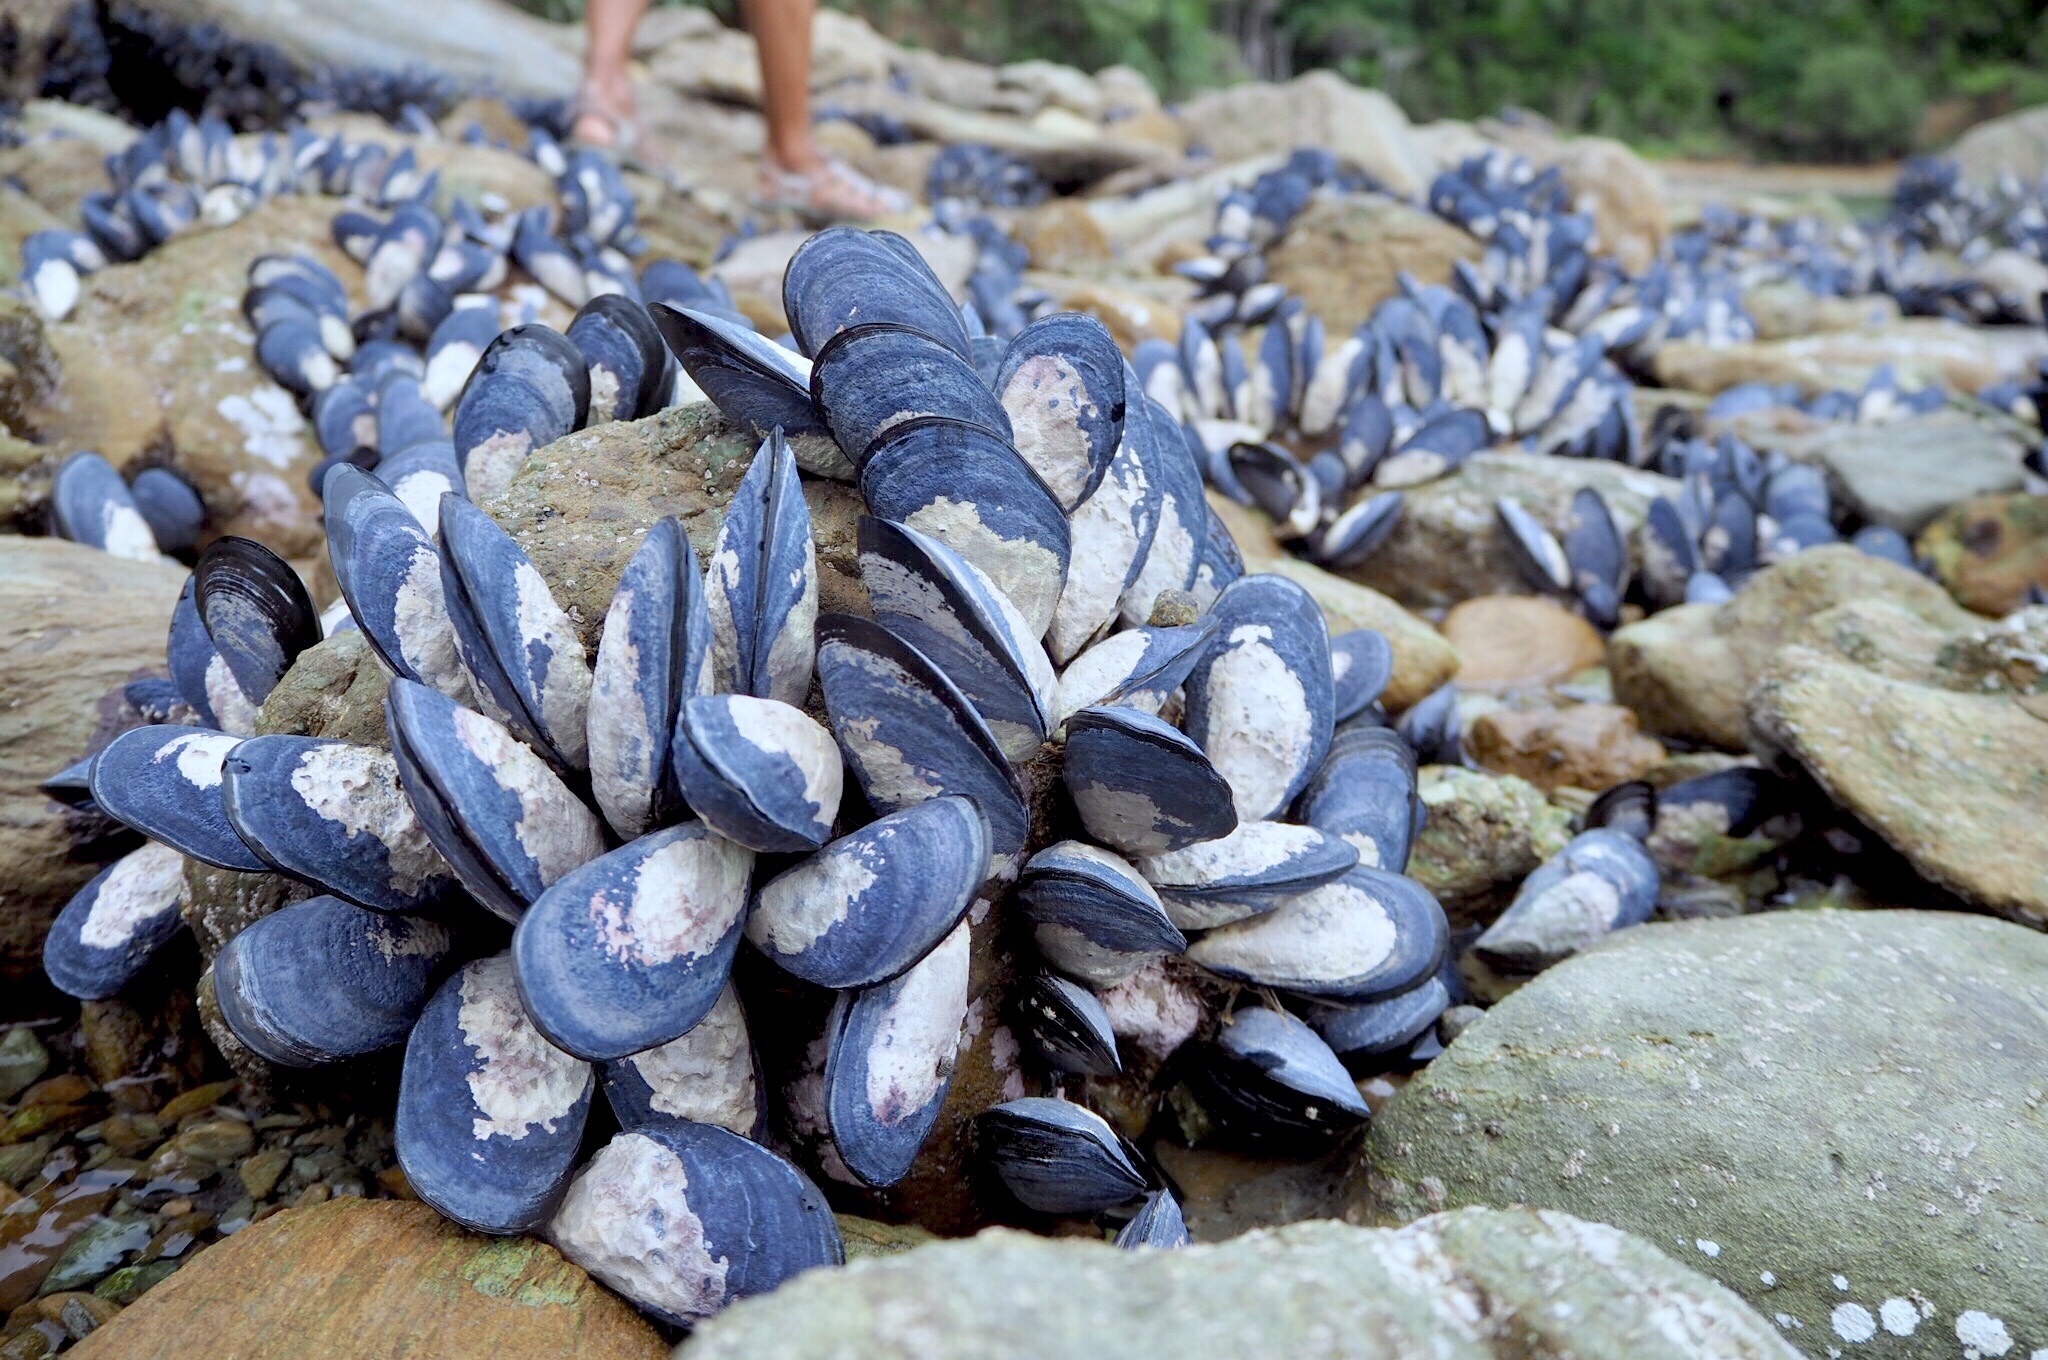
column 1987, row 550
column 1346, row 251
column 1509, row 641
column 61, row 156
column 20, row 218
column 1585, row 746
column 74, row 624
column 2016, row 144
column 1903, row 475
column 1954, row 782
column 1319, row 109
column 1623, row 192
column 1483, row 834
column 1134, row 309
column 1687, row 670
column 1783, row 309
column 1964, row 357
column 1449, row 544
column 1833, row 1113
column 374, row 1280
column 1049, row 83
column 1061, row 234
column 1458, row 1286
column 335, row 689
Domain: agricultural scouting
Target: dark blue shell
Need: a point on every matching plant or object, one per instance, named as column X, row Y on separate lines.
column 1109, row 533
column 1062, row 385
column 165, row 781
column 256, row 610
column 191, row 654
column 321, row 981
column 1141, row 785
column 754, row 382
column 1264, row 688
column 1137, row 668
column 92, row 505
column 844, row 277
column 708, row 1075
column 1380, row 1033
column 1246, row 873
column 293, row 353
column 490, row 1114
column 113, row 926
column 626, row 357
column 1159, row 1225
column 874, row 377
column 632, row 949
column 1601, row 868
column 1270, row 1076
column 529, row 389
column 1067, row 1026
column 404, row 416
column 420, row 476
column 171, row 507
column 759, row 772
column 1174, row 555
column 1365, row 793
column 1368, row 934
column 345, row 417
column 1361, row 664
column 761, row 589
column 391, row 575
column 1098, row 896
column 1056, row 1157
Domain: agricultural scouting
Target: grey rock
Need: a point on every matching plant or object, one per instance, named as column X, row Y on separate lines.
column 1903, row 475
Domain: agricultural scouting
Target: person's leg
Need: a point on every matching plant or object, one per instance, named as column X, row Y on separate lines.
column 782, row 32
column 606, row 101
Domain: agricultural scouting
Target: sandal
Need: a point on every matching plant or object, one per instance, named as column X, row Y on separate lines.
column 835, row 192
column 623, row 140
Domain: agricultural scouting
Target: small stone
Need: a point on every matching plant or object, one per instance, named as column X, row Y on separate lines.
column 22, row 1059
column 130, row 1283
column 201, row 1151
column 864, row 1237
column 1510, row 641
column 1456, row 1021
column 37, row 1120
column 66, row 1089
column 1482, row 836
column 94, row 1252
column 197, row 1099
column 1586, row 746
column 1174, row 609
column 79, row 1314
column 1987, row 550
column 260, row 1172
column 131, row 1135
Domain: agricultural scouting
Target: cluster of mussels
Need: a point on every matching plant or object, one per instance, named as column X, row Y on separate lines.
column 1067, row 687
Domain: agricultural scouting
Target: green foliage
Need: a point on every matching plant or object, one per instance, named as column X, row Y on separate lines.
column 1852, row 102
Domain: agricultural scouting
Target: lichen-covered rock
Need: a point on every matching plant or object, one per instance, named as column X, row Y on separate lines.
column 1966, row 358
column 1477, row 1285
column 1904, row 475
column 1988, row 549
column 1835, row 1114
column 1347, row 252
column 356, row 1279
column 1482, row 836
column 335, row 689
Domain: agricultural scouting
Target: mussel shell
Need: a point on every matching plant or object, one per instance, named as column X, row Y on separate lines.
column 708, row 1075
column 322, row 981
column 845, row 277
column 345, row 417
column 626, row 357
column 872, row 903
column 112, row 927
column 1268, row 1076
column 1535, row 549
column 529, row 389
column 872, row 378
column 1669, row 554
column 1371, row 1035
column 1601, row 881
column 171, row 508
column 1361, row 664
column 1068, row 1027
column 453, row 350
column 390, row 575
column 683, row 1218
column 1261, row 703
column 758, row 771
column 1593, row 546
column 1137, row 668
column 1172, row 558
column 889, row 1061
column 420, row 476
column 202, row 676
column 256, row 610
column 333, row 814
column 1141, row 785
column 761, row 586
column 1250, row 871
column 165, row 781
column 1432, row 727
column 490, row 1114
column 1630, row 808
column 633, row 948
column 1354, row 536
column 404, row 416
column 1158, row 1226
column 1055, row 1157
column 1062, row 384
column 1365, row 794
column 754, row 382
column 1368, row 934
column 1093, row 915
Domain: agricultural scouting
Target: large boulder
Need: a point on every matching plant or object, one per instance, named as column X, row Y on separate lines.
column 1347, row 251
column 1467, row 1286
column 2016, row 144
column 1320, row 109
column 355, row 1279
column 1904, row 475
column 74, row 624
column 1835, row 1114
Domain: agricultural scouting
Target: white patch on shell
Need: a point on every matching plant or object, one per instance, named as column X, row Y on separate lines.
column 1853, row 1323
column 1080, row 958
column 126, row 534
column 1169, row 563
column 1563, row 918
column 141, row 887
column 231, row 707
column 779, row 729
column 521, row 1081
column 917, row 1041
column 889, row 778
column 623, row 762
column 1322, row 401
column 1046, row 401
column 199, row 756
column 272, row 428
column 1982, row 1335
column 426, row 634
column 794, row 650
column 396, row 937
column 492, row 464
column 1260, row 728
column 565, row 687
column 604, row 394
column 1027, row 572
column 1324, row 937
column 685, row 897
column 554, row 829
column 356, row 787
column 1368, row 849
column 721, row 604
column 1248, row 854
column 1105, row 531
column 1096, row 673
column 802, row 906
column 1125, row 818
column 627, row 1220
column 420, row 492
column 708, row 1074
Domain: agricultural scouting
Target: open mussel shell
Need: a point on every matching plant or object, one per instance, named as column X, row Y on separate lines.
column 171, row 508
column 1367, row 934
column 1361, row 664
column 889, row 1061
column 1601, row 881
column 390, row 574
column 1062, row 384
column 490, row 1114
column 761, row 586
column 200, row 672
column 682, row 1218
column 1109, row 534
column 1173, row 557
column 1269, row 1076
column 1056, row 1157
column 627, row 359
column 707, row 1075
column 333, row 814
column 941, row 604
column 1374, row 1035
column 1159, row 1225
column 758, row 771
column 529, row 389
column 965, row 486
column 1142, row 785
column 1261, row 702
column 1093, row 915
column 256, row 610
column 868, row 380
column 633, row 948
column 1069, row 1029
column 1138, row 668
column 909, row 735
column 871, row 904
column 1250, row 871
column 505, row 822
column 1365, row 794
column 517, row 642
column 1630, row 808
column 754, row 382
column 112, row 927
column 655, row 652
column 323, row 981
column 165, row 781
column 845, row 277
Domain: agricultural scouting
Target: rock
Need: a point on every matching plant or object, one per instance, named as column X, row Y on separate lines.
column 1134, row 309
column 1226, row 1191
column 1988, row 549
column 1964, row 357
column 74, row 624
column 1687, row 670
column 1954, row 782
column 2015, row 144
column 1046, row 83
column 23, row 1059
column 1449, row 545
column 1510, row 641
column 1346, row 251
column 864, row 1237
column 1125, row 91
column 1319, row 109
column 20, row 218
column 159, row 358
column 1585, row 746
column 1784, row 308
column 1457, row 1286
column 1423, row 660
column 1623, row 192
column 1483, row 834
column 61, row 156
column 335, row 689
column 1065, row 147
column 1903, row 475
column 1835, row 1114
column 1061, row 234
column 354, row 1278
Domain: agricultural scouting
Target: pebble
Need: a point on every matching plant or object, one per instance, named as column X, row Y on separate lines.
column 22, row 1060
column 1515, row 641
column 1585, row 746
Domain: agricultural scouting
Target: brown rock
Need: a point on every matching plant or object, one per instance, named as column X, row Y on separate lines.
column 1624, row 193
column 1586, row 746
column 1345, row 252
column 74, row 623
column 335, row 689
column 1319, row 109
column 1062, row 234
column 62, row 154
column 1133, row 309
column 1507, row 641
column 356, row 1279
column 1987, row 550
